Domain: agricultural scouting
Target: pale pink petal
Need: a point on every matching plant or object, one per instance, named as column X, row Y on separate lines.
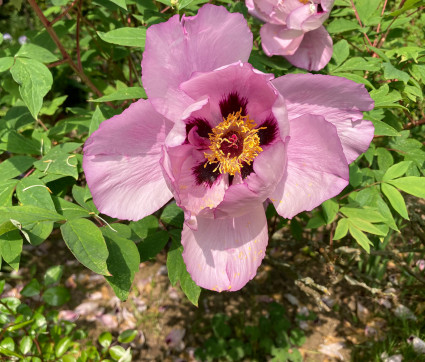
column 240, row 78
column 224, row 254
column 279, row 40
column 176, row 49
column 256, row 12
column 339, row 100
column 317, row 169
column 306, row 18
column 178, row 164
column 314, row 52
column 269, row 167
column 121, row 163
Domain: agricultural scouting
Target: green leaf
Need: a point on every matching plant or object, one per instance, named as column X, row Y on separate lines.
column 79, row 195
column 384, row 129
column 28, row 215
column 341, row 229
column 330, row 209
column 134, row 37
column 152, row 245
column 32, row 191
column 145, row 227
column 105, row 339
column 96, row 120
column 342, row 25
column 368, row 214
column 7, row 188
column 25, row 344
column 6, row 63
column 17, row 143
column 413, row 185
column 68, row 209
column 62, row 346
column 341, row 51
column 396, row 199
column 56, row 296
column 34, row 80
column 31, row 289
column 365, row 226
column 36, row 52
column 391, row 72
column 177, row 272
column 361, row 238
column 117, row 352
column 123, row 94
column 15, row 166
column 86, row 242
column 397, row 170
column 123, row 262
column 406, row 53
column 357, row 63
column 53, row 275
column 127, row 336
column 409, row 4
column 173, row 215
column 120, row 3
column 11, row 248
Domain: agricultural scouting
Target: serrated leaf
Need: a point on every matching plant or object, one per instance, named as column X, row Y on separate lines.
column 396, row 199
column 34, row 80
column 397, row 170
column 391, row 72
column 123, row 262
column 361, row 238
column 134, row 37
column 123, row 94
column 413, row 185
column 86, row 242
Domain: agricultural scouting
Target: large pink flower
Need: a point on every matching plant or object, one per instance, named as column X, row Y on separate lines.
column 294, row 30
column 222, row 138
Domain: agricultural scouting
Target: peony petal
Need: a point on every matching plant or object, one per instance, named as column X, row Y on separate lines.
column 178, row 164
column 269, row 167
column 176, row 49
column 314, row 52
column 279, row 40
column 317, row 169
column 306, row 18
column 121, row 163
column 240, row 78
column 224, row 254
column 339, row 100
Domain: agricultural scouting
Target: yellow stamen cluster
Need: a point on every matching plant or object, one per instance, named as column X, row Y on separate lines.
column 244, row 129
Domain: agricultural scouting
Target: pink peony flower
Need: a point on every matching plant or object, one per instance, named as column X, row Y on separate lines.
column 294, row 30
column 222, row 138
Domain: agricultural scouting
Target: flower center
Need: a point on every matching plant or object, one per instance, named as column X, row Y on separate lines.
column 233, row 142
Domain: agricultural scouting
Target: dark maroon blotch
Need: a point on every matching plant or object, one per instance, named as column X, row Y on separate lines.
column 233, row 103
column 204, row 129
column 269, row 132
column 206, row 173
column 319, row 9
column 246, row 169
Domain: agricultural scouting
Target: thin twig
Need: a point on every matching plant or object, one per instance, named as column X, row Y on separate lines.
column 360, row 22
column 60, row 16
column 77, row 34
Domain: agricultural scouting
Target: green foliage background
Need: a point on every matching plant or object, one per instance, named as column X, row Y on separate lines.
column 81, row 65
